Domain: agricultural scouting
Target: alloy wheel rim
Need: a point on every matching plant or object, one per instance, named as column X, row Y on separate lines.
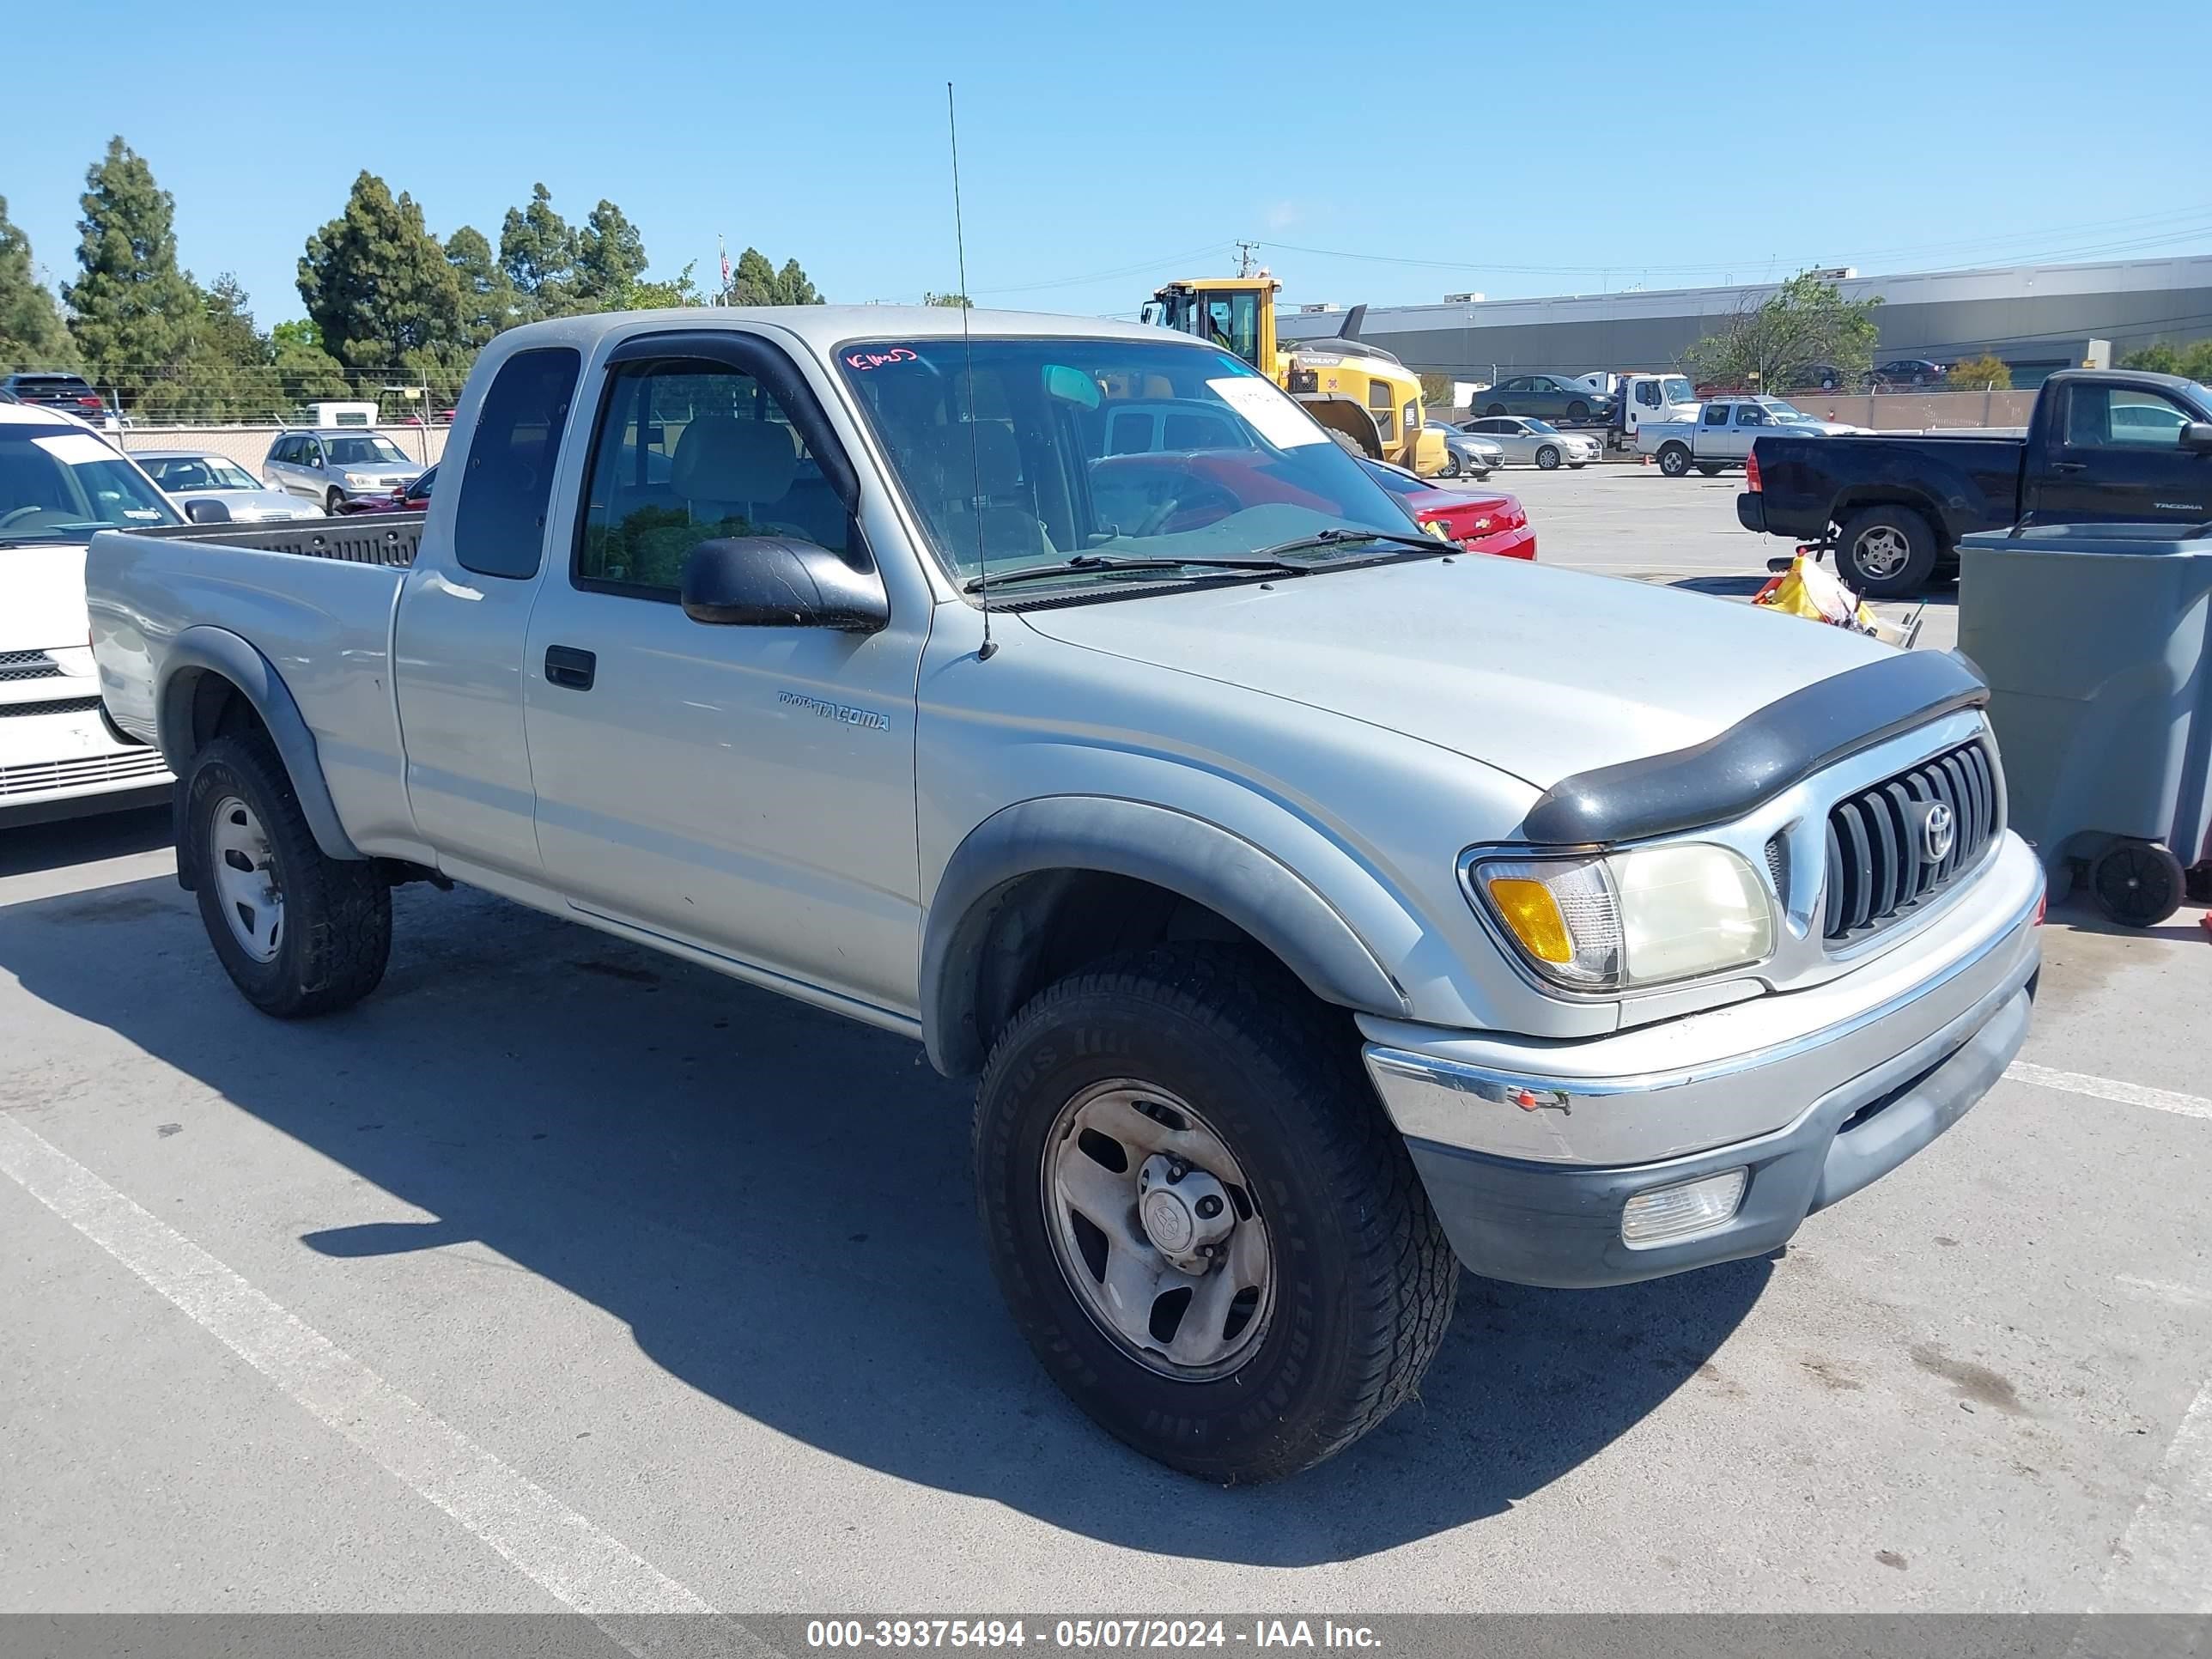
column 1882, row 552
column 1156, row 1231
column 246, row 884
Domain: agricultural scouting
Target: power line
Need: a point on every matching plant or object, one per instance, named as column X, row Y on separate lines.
column 1131, row 269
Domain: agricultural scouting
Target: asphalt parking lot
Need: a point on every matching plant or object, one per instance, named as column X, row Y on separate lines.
column 559, row 1270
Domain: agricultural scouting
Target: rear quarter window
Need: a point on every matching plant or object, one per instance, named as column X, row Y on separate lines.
column 498, row 527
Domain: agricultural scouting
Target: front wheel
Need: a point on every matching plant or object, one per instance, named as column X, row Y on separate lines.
column 298, row 932
column 1886, row 552
column 1452, row 468
column 1203, row 1224
column 1578, row 411
column 334, row 502
column 1495, row 409
column 1674, row 460
column 1548, row 458
column 2138, row 883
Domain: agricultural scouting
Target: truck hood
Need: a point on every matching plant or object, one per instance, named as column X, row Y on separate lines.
column 42, row 597
column 1537, row 673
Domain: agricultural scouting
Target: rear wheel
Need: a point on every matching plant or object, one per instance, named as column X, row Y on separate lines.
column 1495, row 409
column 1674, row 460
column 2138, row 883
column 1710, row 469
column 1886, row 552
column 1203, row 1224
column 299, row 933
column 1347, row 443
column 1578, row 411
column 1548, row 458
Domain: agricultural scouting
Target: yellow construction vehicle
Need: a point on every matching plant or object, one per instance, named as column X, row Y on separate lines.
column 1355, row 389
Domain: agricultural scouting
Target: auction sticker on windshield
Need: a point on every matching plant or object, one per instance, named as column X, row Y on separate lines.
column 1277, row 420
column 75, row 448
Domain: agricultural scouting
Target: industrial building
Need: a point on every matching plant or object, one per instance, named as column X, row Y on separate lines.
column 2035, row 318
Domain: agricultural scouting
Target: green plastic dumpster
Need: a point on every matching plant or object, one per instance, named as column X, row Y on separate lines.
column 2096, row 640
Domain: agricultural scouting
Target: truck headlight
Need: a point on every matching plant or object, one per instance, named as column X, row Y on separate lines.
column 1630, row 918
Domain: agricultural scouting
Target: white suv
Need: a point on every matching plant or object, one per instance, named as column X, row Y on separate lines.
column 333, row 466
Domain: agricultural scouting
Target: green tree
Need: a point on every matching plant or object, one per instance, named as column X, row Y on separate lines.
column 757, row 283
column 32, row 333
column 610, row 258
column 681, row 290
column 1806, row 321
column 305, row 373
column 376, row 283
column 956, row 300
column 226, row 374
column 487, row 296
column 1437, row 393
column 1982, row 373
column 133, row 312
column 2193, row 360
column 537, row 250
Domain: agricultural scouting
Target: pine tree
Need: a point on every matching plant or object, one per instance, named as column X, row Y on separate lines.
column 32, row 333
column 537, row 250
column 792, row 282
column 610, row 258
column 487, row 296
column 377, row 285
column 134, row 313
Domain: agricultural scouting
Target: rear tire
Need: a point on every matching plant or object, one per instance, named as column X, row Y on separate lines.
column 1578, row 411
column 2138, row 883
column 1708, row 469
column 300, row 933
column 1495, row 409
column 1886, row 552
column 1548, row 458
column 1348, row 444
column 1360, row 1280
column 1674, row 460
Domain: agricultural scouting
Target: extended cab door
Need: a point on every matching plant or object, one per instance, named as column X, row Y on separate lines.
column 1711, row 441
column 2113, row 453
column 465, row 614
column 746, row 790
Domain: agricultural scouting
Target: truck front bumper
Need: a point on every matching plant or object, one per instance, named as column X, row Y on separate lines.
column 1751, row 511
column 1507, row 1164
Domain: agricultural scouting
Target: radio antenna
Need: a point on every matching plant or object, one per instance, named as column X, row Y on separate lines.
column 990, row 646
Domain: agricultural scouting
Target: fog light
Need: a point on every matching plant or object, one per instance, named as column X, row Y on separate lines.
column 1667, row 1213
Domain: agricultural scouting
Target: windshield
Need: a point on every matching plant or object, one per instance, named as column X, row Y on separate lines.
column 1118, row 448
column 58, row 486
column 1675, row 389
column 1782, row 411
column 176, row 473
column 369, row 451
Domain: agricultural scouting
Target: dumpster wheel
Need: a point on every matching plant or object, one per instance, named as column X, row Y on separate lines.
column 2138, row 883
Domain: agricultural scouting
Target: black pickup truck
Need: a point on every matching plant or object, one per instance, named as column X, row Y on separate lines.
column 2103, row 445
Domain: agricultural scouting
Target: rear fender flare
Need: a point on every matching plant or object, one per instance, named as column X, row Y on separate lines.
column 203, row 650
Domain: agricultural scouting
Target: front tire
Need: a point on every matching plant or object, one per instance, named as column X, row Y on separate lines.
column 1495, row 409
column 1886, row 552
column 1325, row 1283
column 334, row 502
column 1452, row 468
column 1579, row 412
column 1674, row 460
column 2138, row 883
column 299, row 933
column 1548, row 458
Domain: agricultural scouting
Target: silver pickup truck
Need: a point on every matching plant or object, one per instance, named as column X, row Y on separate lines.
column 1316, row 903
column 1721, row 431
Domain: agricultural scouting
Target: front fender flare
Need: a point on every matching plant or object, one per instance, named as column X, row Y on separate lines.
column 1200, row 860
column 207, row 650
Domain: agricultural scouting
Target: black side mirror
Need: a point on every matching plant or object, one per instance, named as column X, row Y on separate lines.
column 2198, row 436
column 776, row 582
column 207, row 512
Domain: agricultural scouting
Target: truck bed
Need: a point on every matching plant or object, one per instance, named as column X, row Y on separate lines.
column 316, row 598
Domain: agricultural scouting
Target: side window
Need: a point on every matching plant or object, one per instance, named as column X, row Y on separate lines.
column 1717, row 414
column 1647, row 393
column 280, row 450
column 1750, row 415
column 2143, row 420
column 690, row 451
column 311, row 452
column 499, row 529
column 1130, row 433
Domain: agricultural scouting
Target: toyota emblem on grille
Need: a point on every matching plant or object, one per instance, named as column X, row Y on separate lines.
column 1937, row 827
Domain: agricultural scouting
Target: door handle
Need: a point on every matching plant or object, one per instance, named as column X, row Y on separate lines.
column 2070, row 466
column 566, row 666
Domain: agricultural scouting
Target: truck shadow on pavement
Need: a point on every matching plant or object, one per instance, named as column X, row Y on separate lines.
column 778, row 1204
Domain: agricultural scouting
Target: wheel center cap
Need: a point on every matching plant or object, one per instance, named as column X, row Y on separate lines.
column 1184, row 1212
column 1169, row 1226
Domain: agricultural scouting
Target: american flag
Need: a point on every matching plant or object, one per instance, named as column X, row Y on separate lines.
column 726, row 266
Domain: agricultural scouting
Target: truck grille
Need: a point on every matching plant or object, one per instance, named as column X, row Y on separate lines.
column 29, row 665
column 1879, row 867
column 36, row 777
column 60, row 706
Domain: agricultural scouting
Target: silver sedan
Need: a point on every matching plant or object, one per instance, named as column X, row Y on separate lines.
column 191, row 476
column 1528, row 441
column 1467, row 455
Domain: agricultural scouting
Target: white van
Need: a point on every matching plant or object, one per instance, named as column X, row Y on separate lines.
column 58, row 757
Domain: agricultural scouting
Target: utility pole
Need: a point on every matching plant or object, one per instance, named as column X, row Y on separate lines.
column 1244, row 252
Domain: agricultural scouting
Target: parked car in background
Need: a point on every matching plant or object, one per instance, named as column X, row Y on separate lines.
column 1465, row 454
column 189, row 476
column 1555, row 396
column 1908, row 374
column 333, row 465
column 1481, row 524
column 59, row 483
column 1528, row 441
column 68, row 393
column 1723, row 431
column 406, row 498
column 2113, row 445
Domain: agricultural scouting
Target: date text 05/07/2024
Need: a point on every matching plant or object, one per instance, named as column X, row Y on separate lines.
column 1108, row 1634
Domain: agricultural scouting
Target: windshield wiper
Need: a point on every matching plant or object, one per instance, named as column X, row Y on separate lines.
column 1335, row 537
column 1084, row 563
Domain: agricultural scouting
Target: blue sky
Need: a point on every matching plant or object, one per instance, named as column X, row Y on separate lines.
column 1105, row 148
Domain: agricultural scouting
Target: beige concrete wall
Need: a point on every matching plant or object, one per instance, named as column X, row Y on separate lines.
column 248, row 445
column 1917, row 411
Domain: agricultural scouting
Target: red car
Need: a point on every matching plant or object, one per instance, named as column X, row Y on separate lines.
column 1480, row 522
column 407, row 498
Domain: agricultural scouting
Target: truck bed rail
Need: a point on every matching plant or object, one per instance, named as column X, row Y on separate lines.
column 385, row 539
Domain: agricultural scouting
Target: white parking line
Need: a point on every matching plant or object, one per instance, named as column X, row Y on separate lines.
column 542, row 1537
column 2164, row 1562
column 2104, row 1088
column 2162, row 1290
